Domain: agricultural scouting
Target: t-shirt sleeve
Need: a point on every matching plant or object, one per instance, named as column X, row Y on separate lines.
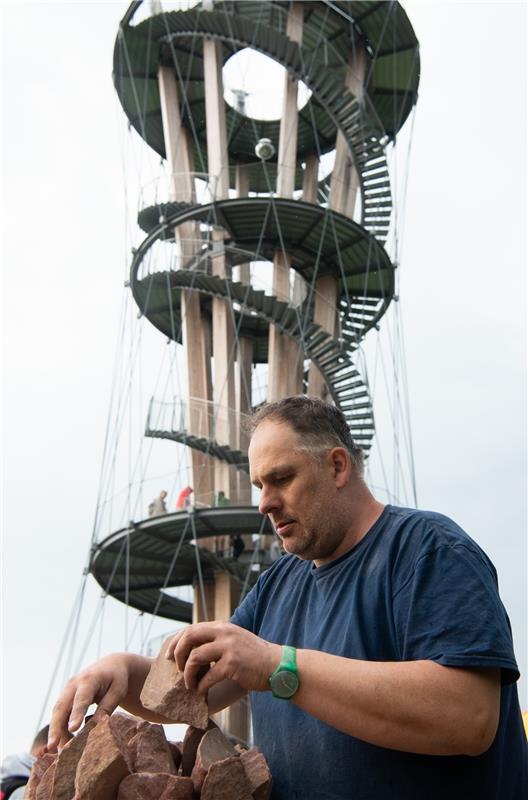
column 449, row 611
column 244, row 614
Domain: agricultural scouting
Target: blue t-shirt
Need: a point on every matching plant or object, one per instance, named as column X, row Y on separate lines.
column 415, row 587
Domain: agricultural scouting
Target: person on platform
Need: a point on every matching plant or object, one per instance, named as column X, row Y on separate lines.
column 377, row 653
column 237, row 545
column 158, row 505
column 16, row 768
column 221, row 499
column 184, row 499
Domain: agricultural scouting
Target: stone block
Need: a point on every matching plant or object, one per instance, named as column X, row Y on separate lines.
column 191, row 740
column 67, row 761
column 103, row 764
column 150, row 751
column 164, row 693
column 40, row 766
column 226, row 780
column 155, row 786
column 45, row 787
column 124, row 726
column 213, row 746
column 257, row 773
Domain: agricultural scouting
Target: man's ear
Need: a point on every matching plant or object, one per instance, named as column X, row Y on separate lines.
column 341, row 465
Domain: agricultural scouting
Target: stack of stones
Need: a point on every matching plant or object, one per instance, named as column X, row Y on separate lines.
column 121, row 757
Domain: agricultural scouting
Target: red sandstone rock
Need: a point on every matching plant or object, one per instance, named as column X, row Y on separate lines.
column 124, row 726
column 103, row 764
column 69, row 757
column 150, row 750
column 164, row 692
column 40, row 766
column 155, row 786
column 191, row 740
column 214, row 746
column 257, row 773
column 45, row 786
column 176, row 752
column 226, row 780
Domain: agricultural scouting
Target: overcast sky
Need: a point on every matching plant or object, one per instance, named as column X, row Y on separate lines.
column 462, row 289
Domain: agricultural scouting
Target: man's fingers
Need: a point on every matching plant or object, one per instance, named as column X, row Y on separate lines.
column 110, row 701
column 192, row 637
column 59, row 719
column 84, row 697
column 172, row 645
column 199, row 658
column 217, row 673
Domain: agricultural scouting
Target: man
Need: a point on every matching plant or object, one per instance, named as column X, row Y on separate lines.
column 377, row 651
column 16, row 768
column 158, row 505
column 184, row 499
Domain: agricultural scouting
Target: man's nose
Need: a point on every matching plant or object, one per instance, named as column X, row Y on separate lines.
column 269, row 501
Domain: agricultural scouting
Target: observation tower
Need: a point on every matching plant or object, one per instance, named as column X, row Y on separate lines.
column 302, row 201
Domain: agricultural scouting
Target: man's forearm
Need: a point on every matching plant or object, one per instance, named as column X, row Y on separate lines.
column 415, row 706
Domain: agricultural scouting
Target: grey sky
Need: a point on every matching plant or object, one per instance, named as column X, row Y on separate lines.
column 462, row 288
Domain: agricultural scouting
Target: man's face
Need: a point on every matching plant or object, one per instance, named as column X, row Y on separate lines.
column 298, row 492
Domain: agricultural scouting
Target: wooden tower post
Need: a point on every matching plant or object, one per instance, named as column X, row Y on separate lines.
column 285, row 357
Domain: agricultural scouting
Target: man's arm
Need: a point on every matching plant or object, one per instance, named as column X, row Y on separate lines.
column 117, row 680
column 414, row 706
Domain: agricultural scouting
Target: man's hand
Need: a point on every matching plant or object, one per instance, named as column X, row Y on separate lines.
column 227, row 652
column 114, row 680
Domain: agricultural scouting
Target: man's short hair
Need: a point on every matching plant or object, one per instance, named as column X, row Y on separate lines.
column 41, row 738
column 320, row 426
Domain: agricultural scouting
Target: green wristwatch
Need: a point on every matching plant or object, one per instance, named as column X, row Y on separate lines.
column 284, row 681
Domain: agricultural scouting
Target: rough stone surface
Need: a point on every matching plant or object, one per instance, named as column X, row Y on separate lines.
column 164, row 692
column 40, row 766
column 257, row 773
column 69, row 756
column 191, row 740
column 159, row 786
column 102, row 765
column 214, row 746
column 124, row 726
column 150, row 750
column 226, row 780
column 45, row 787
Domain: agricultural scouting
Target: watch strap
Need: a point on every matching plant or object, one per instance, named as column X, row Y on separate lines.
column 280, row 686
column 288, row 658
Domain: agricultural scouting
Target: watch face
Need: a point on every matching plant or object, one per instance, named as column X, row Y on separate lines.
column 284, row 683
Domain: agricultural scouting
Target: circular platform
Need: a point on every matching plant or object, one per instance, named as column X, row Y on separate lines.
column 174, row 38
column 314, row 237
column 137, row 563
column 310, row 234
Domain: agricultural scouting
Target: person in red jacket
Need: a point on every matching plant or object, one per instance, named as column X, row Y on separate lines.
column 184, row 498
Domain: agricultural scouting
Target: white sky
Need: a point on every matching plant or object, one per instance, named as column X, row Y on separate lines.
column 462, row 288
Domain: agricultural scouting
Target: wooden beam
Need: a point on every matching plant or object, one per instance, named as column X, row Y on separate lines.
column 244, row 365
column 311, row 171
column 344, row 187
column 285, row 359
column 344, row 181
column 206, row 592
column 244, row 361
column 215, row 120
column 195, row 331
column 198, row 368
column 223, row 328
column 227, row 594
